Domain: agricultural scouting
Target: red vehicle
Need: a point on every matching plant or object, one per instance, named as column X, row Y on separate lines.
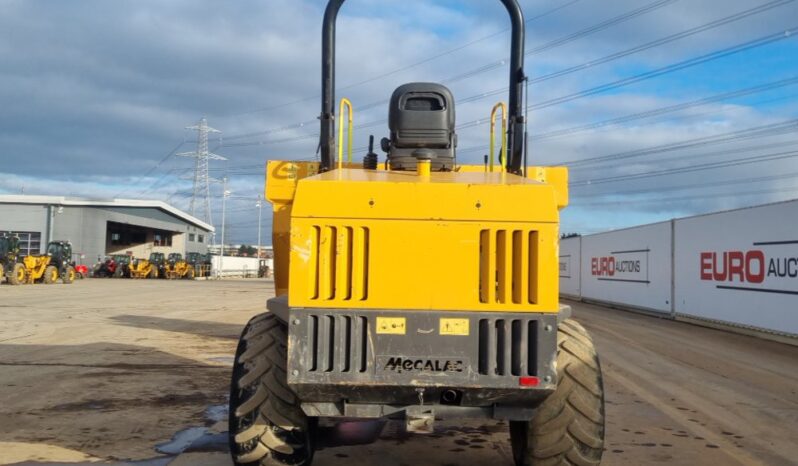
column 105, row 269
column 82, row 271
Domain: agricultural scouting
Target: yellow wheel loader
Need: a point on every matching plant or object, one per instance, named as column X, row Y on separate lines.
column 419, row 289
column 49, row 268
column 176, row 267
column 153, row 267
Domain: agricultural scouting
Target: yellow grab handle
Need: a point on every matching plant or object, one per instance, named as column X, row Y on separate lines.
column 499, row 106
column 345, row 103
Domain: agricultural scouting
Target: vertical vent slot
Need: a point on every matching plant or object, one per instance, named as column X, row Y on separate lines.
column 532, row 268
column 343, row 344
column 520, row 267
column 360, row 263
column 343, row 264
column 339, row 263
column 501, row 267
column 364, row 343
column 507, row 347
column 313, row 331
column 327, row 251
column 487, row 255
column 313, row 279
column 329, row 342
column 337, row 343
column 532, row 348
column 508, row 266
column 520, row 345
column 484, row 347
column 502, row 342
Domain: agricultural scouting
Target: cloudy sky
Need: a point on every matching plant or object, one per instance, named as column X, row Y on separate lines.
column 664, row 108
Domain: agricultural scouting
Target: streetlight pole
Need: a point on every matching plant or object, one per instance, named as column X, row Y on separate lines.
column 259, row 205
column 225, row 195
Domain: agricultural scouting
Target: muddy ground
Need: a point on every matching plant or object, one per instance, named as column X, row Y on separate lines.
column 136, row 372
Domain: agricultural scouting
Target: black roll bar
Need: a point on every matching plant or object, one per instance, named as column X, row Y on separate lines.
column 515, row 131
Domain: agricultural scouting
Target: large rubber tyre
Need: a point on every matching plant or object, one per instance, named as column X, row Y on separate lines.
column 189, row 273
column 267, row 426
column 69, row 275
column 568, row 428
column 119, row 272
column 17, row 274
column 153, row 273
column 50, row 275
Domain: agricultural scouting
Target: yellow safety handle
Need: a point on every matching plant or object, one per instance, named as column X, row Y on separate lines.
column 345, row 103
column 499, row 106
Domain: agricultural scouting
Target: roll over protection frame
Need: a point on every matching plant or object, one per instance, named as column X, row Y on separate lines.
column 515, row 117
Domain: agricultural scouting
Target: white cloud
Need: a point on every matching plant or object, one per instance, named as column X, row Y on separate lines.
column 96, row 93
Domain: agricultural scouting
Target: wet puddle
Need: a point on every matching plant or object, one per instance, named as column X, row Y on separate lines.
column 216, row 413
column 199, row 439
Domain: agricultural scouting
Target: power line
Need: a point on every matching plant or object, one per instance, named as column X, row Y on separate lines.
column 689, row 198
column 756, row 131
column 548, row 46
column 722, row 53
column 412, row 65
column 739, row 150
column 154, row 167
column 640, row 48
column 569, row 38
column 702, row 185
column 765, row 40
column 692, row 168
column 669, row 109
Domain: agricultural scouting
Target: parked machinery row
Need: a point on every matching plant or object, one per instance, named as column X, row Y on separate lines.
column 158, row 265
column 55, row 265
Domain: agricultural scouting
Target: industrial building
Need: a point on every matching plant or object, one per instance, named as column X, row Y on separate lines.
column 97, row 228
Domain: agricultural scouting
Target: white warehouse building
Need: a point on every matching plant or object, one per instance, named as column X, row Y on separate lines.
column 97, row 228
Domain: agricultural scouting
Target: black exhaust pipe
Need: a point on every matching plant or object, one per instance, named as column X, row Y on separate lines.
column 515, row 117
column 451, row 397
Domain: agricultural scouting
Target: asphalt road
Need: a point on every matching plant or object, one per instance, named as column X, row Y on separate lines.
column 117, row 371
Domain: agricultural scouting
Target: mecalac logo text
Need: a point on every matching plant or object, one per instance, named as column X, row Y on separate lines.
column 400, row 364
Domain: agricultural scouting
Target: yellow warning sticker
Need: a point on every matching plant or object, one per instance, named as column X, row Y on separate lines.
column 454, row 327
column 391, row 325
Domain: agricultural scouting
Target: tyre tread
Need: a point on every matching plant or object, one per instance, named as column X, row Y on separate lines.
column 568, row 428
column 268, row 427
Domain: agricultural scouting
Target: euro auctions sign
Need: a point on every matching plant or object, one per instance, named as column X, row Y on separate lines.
column 739, row 267
column 768, row 267
column 621, row 266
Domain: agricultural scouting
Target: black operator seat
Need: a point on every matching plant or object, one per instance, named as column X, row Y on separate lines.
column 421, row 116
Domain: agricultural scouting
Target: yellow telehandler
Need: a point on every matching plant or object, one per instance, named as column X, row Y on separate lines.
column 176, row 267
column 148, row 268
column 49, row 268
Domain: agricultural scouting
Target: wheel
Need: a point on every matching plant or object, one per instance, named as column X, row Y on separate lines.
column 50, row 275
column 153, row 273
column 568, row 428
column 267, row 426
column 69, row 275
column 17, row 275
column 119, row 272
column 190, row 273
